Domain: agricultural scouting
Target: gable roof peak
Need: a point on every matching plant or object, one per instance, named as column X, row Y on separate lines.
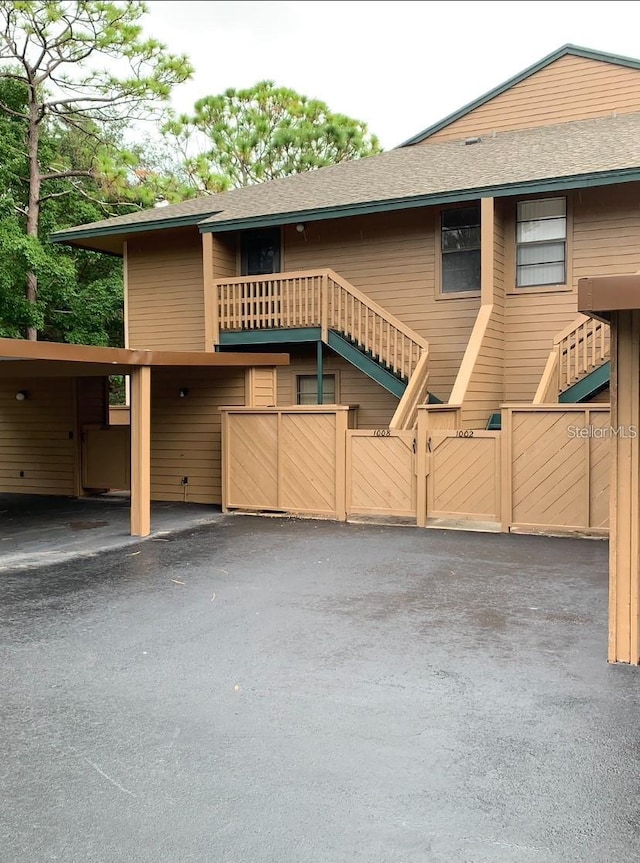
column 563, row 51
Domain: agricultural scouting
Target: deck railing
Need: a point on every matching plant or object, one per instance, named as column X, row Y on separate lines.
column 318, row 298
column 581, row 347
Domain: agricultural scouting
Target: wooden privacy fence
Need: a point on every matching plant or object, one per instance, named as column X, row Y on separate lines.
column 285, row 459
column 546, row 471
column 556, row 465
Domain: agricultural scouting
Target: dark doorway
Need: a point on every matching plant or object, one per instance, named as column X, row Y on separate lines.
column 260, row 252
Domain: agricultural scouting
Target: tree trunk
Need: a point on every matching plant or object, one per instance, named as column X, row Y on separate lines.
column 33, row 208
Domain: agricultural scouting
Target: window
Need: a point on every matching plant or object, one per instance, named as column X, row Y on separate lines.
column 541, row 242
column 460, row 247
column 307, row 389
column 260, row 252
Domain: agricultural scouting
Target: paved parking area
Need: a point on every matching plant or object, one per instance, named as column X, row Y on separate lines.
column 37, row 531
column 278, row 691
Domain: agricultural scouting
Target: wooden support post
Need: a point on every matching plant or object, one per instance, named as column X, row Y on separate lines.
column 320, row 372
column 141, row 451
column 211, row 320
column 624, row 549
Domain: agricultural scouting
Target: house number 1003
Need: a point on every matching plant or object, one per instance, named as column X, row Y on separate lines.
column 381, row 433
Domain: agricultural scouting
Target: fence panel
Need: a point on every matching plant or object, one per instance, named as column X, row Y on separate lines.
column 288, row 459
column 557, row 467
column 381, row 474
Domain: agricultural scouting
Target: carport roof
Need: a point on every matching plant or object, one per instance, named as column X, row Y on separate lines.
column 83, row 359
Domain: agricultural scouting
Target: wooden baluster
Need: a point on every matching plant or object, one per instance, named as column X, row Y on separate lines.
column 594, row 331
column 602, row 350
column 576, row 359
column 585, row 363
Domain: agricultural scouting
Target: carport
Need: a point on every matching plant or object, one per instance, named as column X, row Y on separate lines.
column 50, row 393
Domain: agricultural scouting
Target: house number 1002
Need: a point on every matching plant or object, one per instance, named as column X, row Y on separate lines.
column 464, row 433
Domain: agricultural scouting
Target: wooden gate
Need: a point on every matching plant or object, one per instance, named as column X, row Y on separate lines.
column 381, row 473
column 463, row 476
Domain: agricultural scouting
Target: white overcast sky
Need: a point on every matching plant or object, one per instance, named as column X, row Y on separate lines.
column 399, row 66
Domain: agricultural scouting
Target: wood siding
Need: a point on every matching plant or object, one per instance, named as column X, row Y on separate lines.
column 185, row 432
column 571, row 88
column 353, row 387
column 165, row 291
column 391, row 257
column 38, row 436
column 603, row 240
column 261, row 386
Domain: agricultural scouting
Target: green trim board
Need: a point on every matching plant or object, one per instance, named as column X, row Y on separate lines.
column 588, row 387
column 530, row 187
column 295, row 335
column 565, row 50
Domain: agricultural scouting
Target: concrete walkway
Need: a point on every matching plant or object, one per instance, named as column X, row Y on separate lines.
column 279, row 691
column 36, row 531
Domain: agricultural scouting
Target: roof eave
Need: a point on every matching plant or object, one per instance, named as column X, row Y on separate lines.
column 574, row 50
column 69, row 236
column 550, row 184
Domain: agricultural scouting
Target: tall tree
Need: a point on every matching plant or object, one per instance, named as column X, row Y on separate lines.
column 248, row 136
column 85, row 65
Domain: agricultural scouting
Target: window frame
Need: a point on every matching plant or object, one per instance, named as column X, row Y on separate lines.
column 453, row 295
column 511, row 250
column 307, row 374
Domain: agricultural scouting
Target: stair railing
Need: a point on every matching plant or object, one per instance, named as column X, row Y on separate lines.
column 319, row 298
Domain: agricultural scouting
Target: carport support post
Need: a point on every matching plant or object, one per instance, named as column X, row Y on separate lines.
column 624, row 548
column 141, row 451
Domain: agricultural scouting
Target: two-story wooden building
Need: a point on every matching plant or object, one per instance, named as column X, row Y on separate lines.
column 454, row 257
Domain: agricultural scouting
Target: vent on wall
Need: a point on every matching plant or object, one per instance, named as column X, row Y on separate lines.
column 472, row 140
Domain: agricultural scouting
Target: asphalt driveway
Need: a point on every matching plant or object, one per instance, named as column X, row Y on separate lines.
column 276, row 691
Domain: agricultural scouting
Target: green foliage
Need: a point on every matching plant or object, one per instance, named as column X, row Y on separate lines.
column 77, row 73
column 248, row 136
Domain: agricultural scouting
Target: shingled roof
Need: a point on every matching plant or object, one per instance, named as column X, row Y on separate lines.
column 582, row 153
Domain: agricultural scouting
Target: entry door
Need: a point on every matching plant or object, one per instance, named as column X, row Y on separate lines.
column 260, row 252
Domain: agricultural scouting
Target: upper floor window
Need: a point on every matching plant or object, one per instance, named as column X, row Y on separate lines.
column 460, row 247
column 260, row 252
column 541, row 241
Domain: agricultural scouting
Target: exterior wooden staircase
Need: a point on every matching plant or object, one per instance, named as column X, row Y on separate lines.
column 319, row 305
column 579, row 363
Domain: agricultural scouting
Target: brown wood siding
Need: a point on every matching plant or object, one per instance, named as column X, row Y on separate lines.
column 37, row 436
column 93, row 401
column 185, row 432
column 165, row 290
column 571, row 88
column 261, row 387
column 391, row 258
column 225, row 257
column 603, row 241
column 376, row 405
